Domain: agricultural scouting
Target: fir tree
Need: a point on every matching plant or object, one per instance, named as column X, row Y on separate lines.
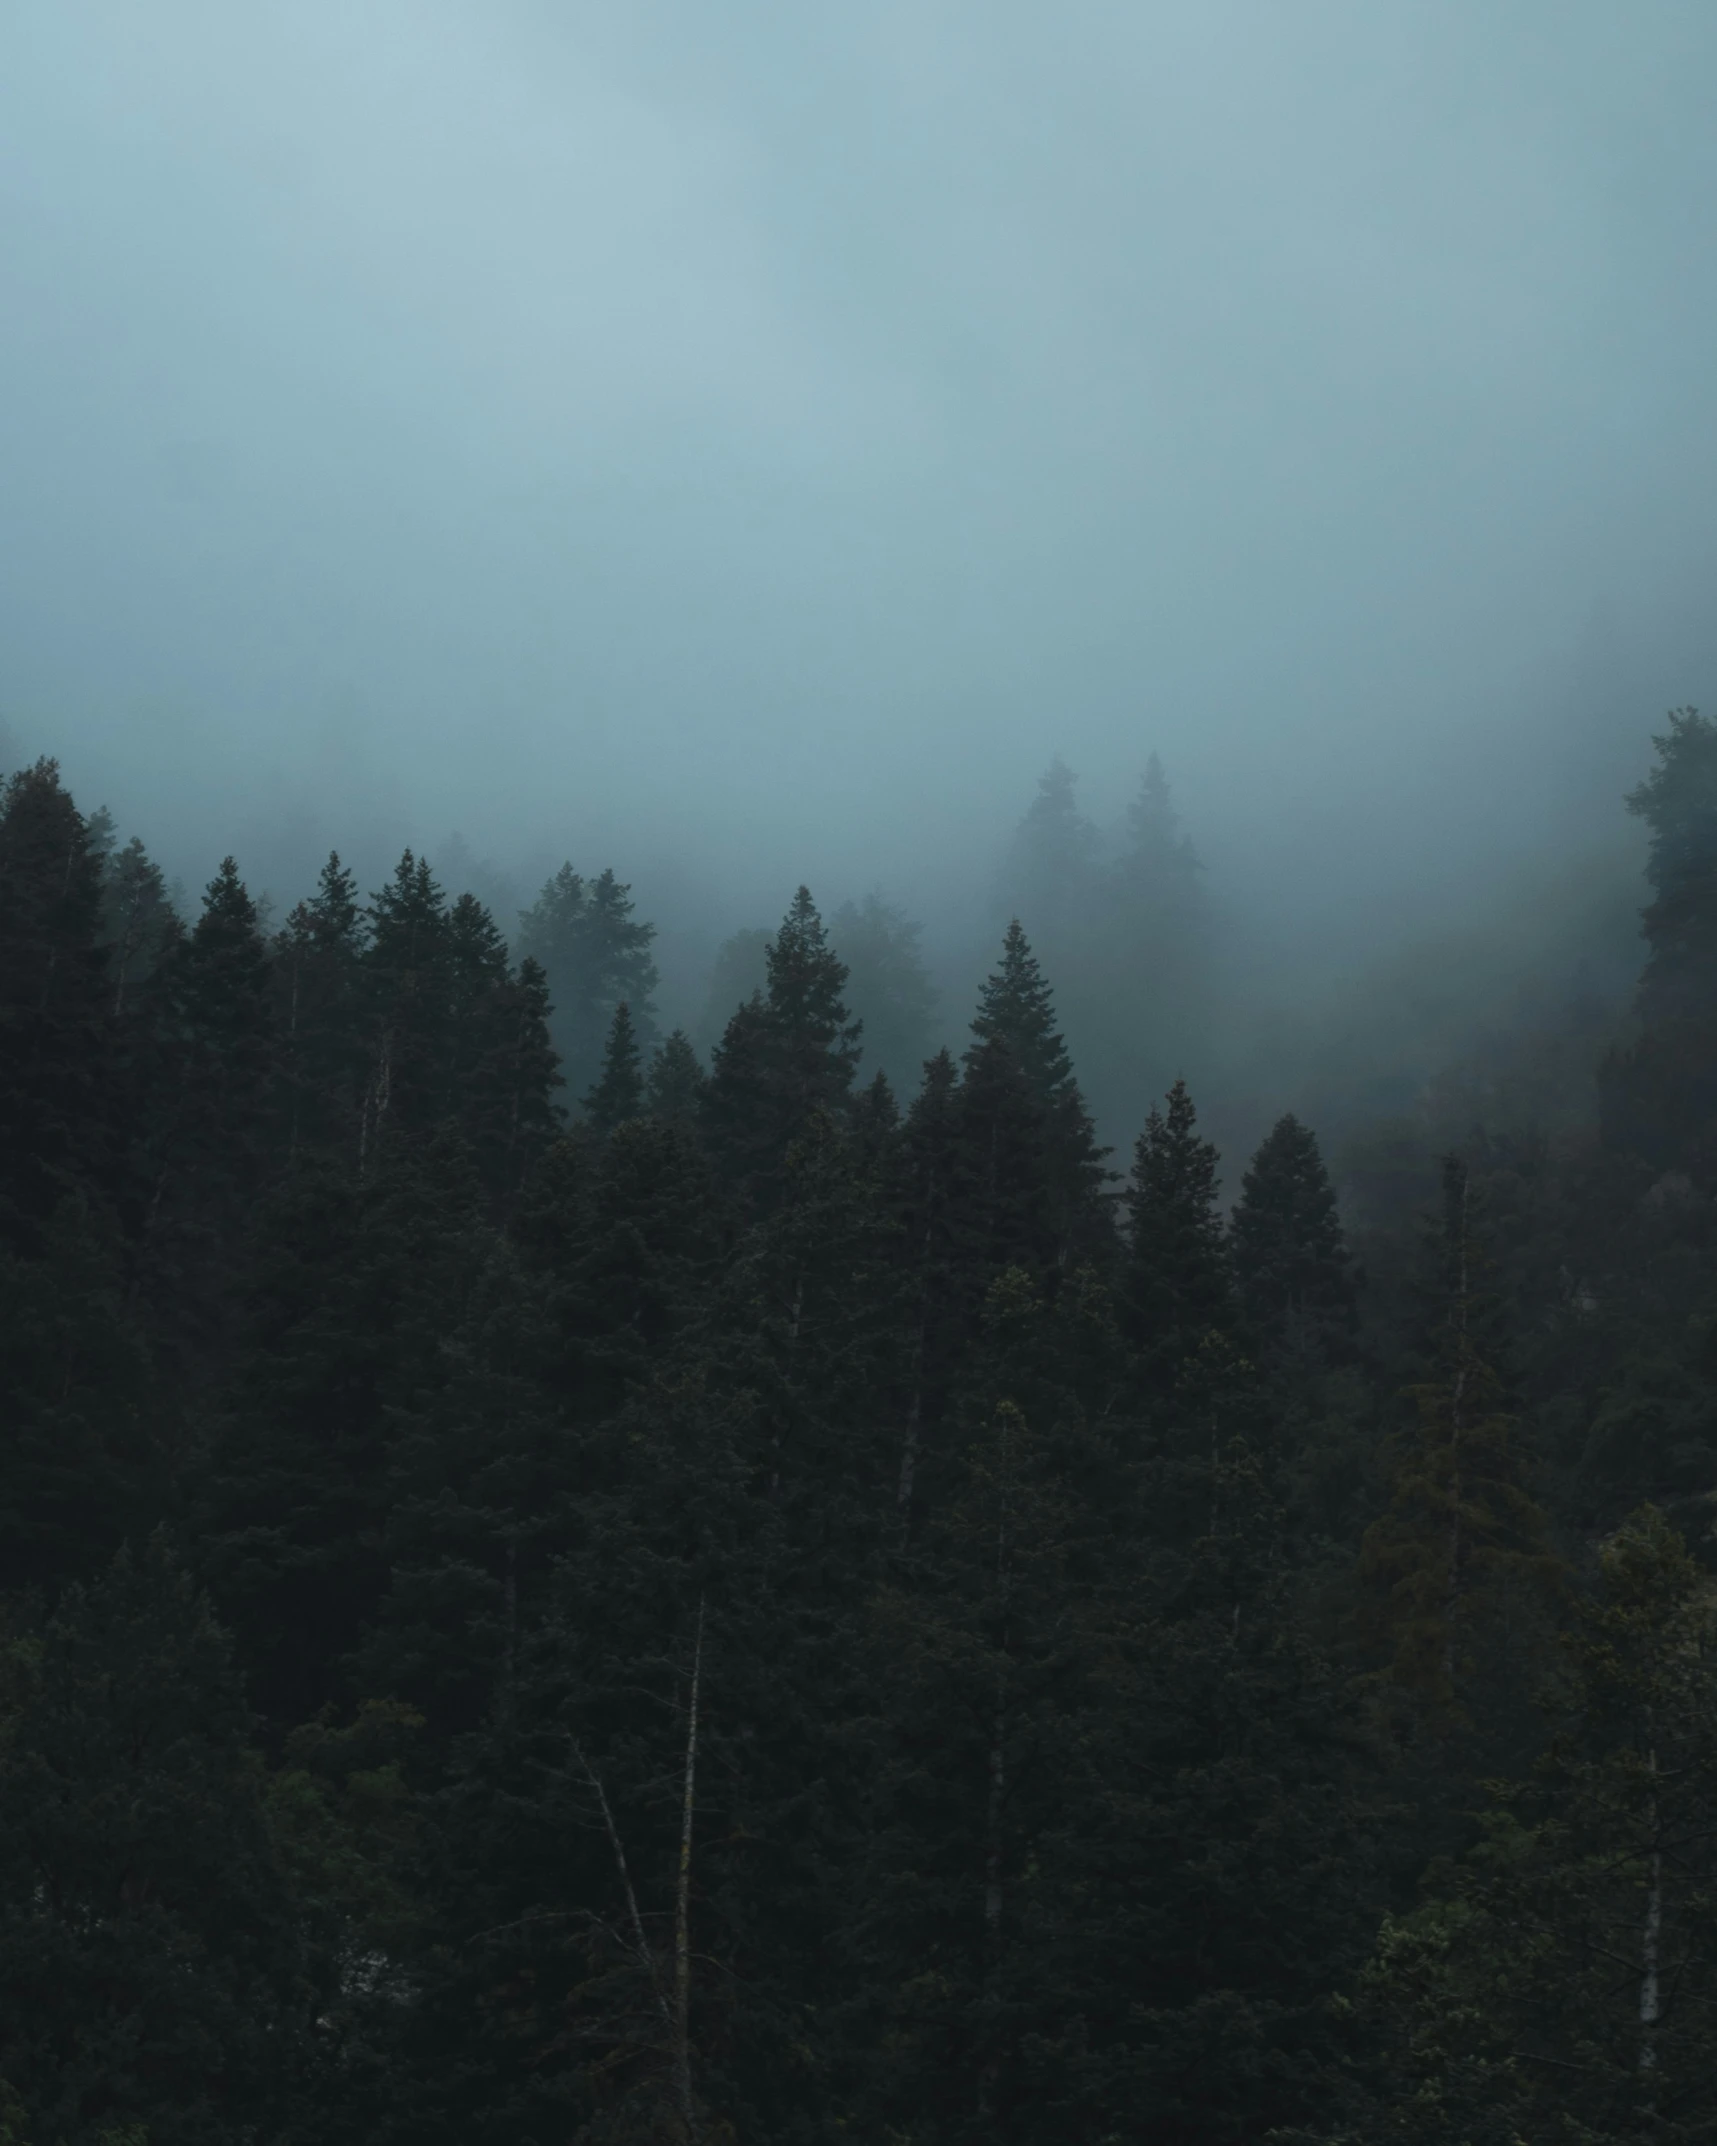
column 1052, row 864
column 82, row 1458
column 358, row 1284
column 595, row 952
column 676, row 1083
column 58, row 1104
column 1463, row 1532
column 887, row 987
column 150, row 1960
column 1289, row 1253
column 139, row 923
column 408, row 988
column 1017, row 1070
column 1176, row 1287
column 1157, row 871
column 323, row 1063
column 1561, row 1980
column 208, row 1132
column 1660, row 1096
column 786, row 1057
column 619, row 1093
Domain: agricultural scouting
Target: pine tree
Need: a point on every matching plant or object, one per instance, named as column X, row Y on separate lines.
column 150, row 1961
column 139, row 923
column 887, row 987
column 58, row 1103
column 82, row 1457
column 1051, row 867
column 619, row 1093
column 1660, row 1096
column 1561, row 1980
column 501, row 1068
column 207, row 1137
column 676, row 1083
column 1017, row 1057
column 1177, row 1287
column 358, row 1284
column 408, row 989
column 1157, row 873
column 786, row 1057
column 935, row 1208
column 595, row 952
column 323, row 1064
column 1289, row 1253
column 1463, row 1533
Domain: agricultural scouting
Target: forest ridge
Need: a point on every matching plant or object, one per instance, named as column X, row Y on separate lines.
column 563, row 1587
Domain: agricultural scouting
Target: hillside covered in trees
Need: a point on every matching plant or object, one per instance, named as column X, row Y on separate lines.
column 565, row 1582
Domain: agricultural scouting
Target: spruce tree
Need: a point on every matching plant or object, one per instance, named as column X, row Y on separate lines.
column 1018, row 1070
column 675, row 1087
column 595, row 952
column 1462, row 1549
column 207, row 1136
column 58, row 1100
column 1560, row 1981
column 357, row 1285
column 1156, row 875
column 408, row 988
column 887, row 986
column 82, row 1460
column 619, row 1093
column 323, row 1062
column 1176, row 1287
column 1659, row 1095
column 150, row 1958
column 787, row 1056
column 1287, row 1245
column 1051, row 867
column 139, row 922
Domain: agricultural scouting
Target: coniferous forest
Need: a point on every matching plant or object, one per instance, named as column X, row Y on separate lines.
column 564, row 1586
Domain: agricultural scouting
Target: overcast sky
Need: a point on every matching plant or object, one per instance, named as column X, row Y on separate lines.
column 764, row 434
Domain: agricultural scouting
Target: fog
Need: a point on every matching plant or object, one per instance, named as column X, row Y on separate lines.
column 743, row 445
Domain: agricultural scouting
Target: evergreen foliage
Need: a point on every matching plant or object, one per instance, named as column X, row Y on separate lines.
column 772, row 1612
column 619, row 1093
column 1287, row 1245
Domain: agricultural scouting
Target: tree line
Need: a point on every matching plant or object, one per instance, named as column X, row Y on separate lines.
column 562, row 1587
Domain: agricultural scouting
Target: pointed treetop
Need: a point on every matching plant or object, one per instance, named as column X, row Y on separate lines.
column 676, row 1081
column 1290, row 1254
column 619, row 1092
column 806, row 977
column 227, row 906
column 1177, row 1266
column 1016, row 1010
column 410, row 903
column 332, row 914
column 1054, row 848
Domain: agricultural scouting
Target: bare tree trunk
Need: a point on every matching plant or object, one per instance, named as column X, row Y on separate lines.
column 640, row 1943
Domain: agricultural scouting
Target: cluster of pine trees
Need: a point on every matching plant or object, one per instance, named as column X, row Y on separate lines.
column 555, row 1591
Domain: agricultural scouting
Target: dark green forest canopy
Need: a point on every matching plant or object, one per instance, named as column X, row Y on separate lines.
column 561, row 1586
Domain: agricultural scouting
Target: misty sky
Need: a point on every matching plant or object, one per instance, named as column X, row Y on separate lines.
column 761, row 435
